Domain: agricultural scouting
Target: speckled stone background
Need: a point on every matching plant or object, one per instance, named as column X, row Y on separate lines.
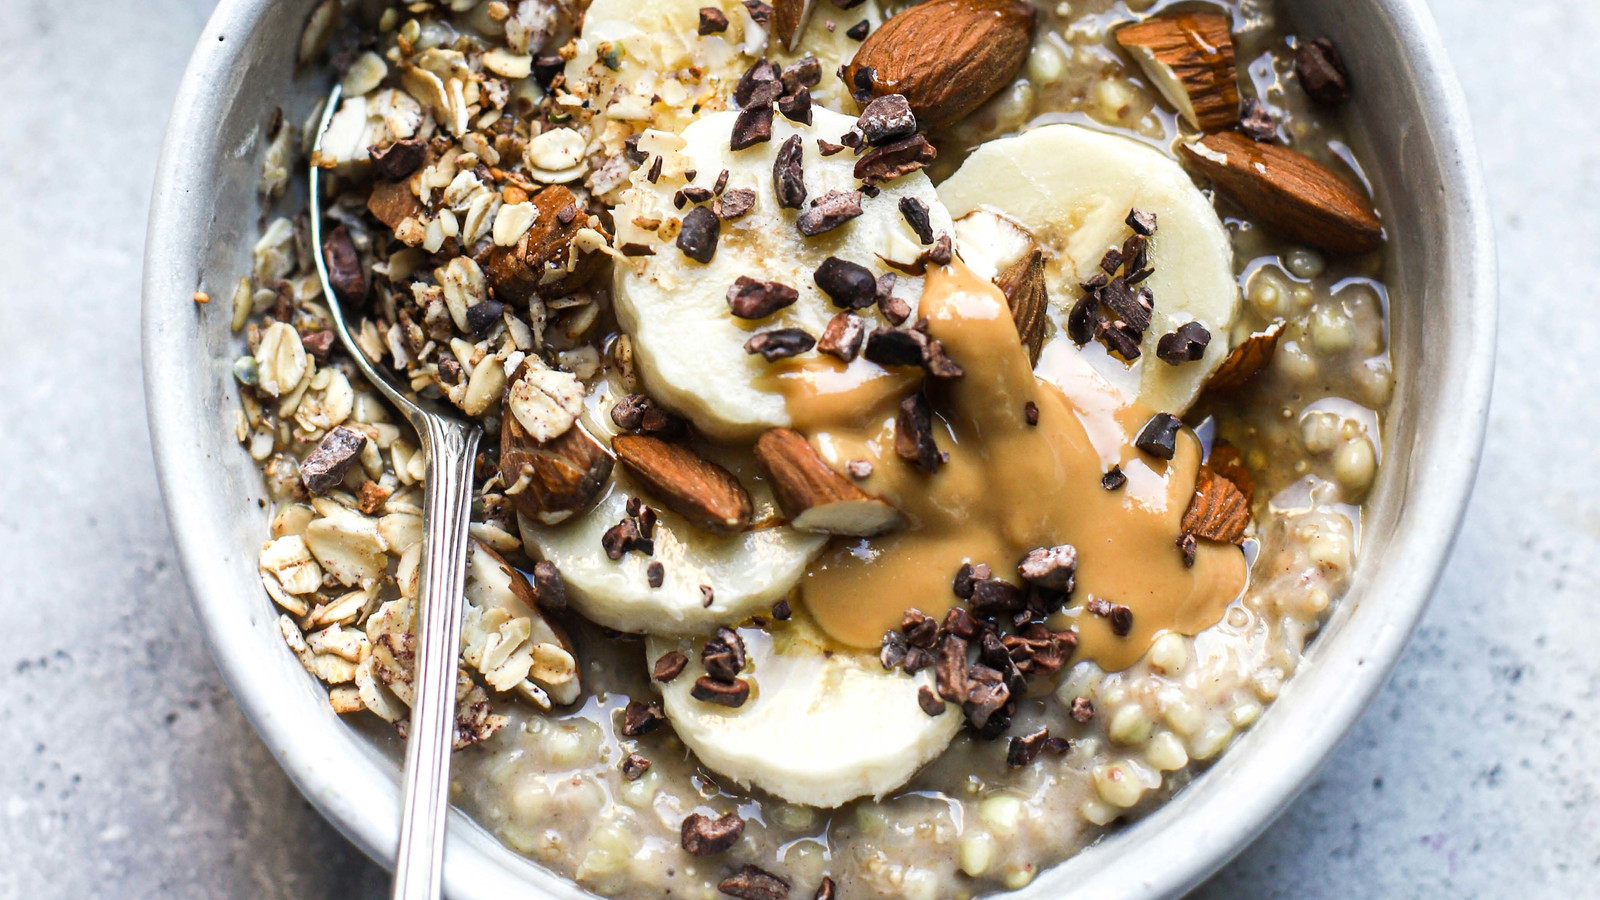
column 126, row 771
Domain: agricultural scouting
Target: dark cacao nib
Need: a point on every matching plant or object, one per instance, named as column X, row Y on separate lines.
column 345, row 272
column 887, row 118
column 901, row 347
column 705, row 836
column 1142, row 223
column 1187, row 344
column 751, row 299
column 1024, row 749
column 1051, row 568
column 754, row 78
column 752, row 883
column 549, row 586
column 400, row 159
column 669, row 666
column 325, row 468
column 698, row 238
column 849, row 285
column 735, row 203
column 640, row 718
column 843, row 336
column 483, row 315
column 829, row 212
column 1323, row 76
column 1159, row 436
column 895, row 159
column 754, row 124
column 788, row 174
column 779, row 343
column 634, row 767
column 916, row 215
column 796, row 107
column 712, row 21
column 1256, row 122
column 723, row 656
column 731, row 694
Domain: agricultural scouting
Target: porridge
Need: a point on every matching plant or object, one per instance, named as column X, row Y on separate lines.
column 919, row 438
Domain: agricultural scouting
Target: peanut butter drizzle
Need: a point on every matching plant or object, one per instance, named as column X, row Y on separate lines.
column 1008, row 487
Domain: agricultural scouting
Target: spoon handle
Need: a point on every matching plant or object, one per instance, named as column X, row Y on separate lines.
column 450, row 447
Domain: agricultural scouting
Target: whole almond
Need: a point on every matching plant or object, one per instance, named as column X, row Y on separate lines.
column 945, row 56
column 690, row 485
column 1292, row 193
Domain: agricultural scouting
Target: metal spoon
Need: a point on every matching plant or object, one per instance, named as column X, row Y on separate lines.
column 450, row 444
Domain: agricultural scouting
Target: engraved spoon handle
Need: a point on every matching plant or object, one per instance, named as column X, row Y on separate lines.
column 450, row 447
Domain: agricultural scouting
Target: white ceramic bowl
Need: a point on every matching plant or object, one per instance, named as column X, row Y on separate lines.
column 1413, row 136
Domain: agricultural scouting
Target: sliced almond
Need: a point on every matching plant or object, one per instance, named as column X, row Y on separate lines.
column 1246, row 361
column 1023, row 285
column 392, row 202
column 1189, row 58
column 815, row 497
column 789, row 18
column 945, row 56
column 552, row 480
column 1297, row 196
column 689, row 484
column 542, row 260
column 493, row 583
column 1218, row 511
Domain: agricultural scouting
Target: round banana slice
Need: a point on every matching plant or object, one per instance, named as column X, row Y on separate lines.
column 821, row 726
column 645, row 63
column 1071, row 189
column 745, row 573
column 688, row 345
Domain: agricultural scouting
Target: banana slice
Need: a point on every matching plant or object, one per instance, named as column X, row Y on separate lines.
column 746, row 573
column 645, row 63
column 821, row 727
column 1071, row 188
column 688, row 346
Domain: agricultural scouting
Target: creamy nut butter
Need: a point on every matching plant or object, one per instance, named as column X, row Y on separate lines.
column 1007, row 487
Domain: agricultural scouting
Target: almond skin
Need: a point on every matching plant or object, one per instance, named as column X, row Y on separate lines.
column 944, row 56
column 1297, row 196
column 690, row 485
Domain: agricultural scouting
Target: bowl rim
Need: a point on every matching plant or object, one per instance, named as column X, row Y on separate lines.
column 353, row 790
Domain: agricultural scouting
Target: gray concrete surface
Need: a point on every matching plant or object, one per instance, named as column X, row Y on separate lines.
column 126, row 771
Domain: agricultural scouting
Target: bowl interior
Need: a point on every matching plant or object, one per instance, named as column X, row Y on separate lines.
column 1411, row 133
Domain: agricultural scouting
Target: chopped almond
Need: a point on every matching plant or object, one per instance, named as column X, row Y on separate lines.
column 689, row 484
column 1189, row 57
column 1219, row 511
column 1294, row 194
column 1246, row 361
